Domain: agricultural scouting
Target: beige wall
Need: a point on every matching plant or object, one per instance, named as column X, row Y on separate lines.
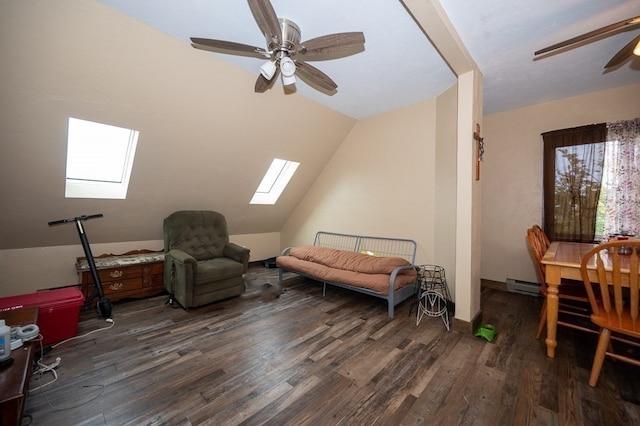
column 444, row 197
column 381, row 181
column 512, row 172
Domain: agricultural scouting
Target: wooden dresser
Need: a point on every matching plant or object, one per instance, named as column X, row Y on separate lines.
column 134, row 274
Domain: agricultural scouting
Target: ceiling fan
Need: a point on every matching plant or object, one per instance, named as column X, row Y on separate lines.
column 285, row 53
column 632, row 48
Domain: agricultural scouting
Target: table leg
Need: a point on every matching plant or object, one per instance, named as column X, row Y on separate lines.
column 553, row 281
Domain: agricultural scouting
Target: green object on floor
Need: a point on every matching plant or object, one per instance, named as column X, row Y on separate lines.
column 486, row 331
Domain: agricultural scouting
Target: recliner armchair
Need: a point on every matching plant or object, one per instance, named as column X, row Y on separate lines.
column 201, row 266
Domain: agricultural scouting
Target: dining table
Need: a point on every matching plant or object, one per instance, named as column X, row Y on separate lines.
column 562, row 260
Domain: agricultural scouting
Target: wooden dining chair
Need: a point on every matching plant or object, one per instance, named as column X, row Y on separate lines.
column 573, row 304
column 541, row 235
column 613, row 297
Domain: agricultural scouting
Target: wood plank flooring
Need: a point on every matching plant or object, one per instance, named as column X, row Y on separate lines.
column 305, row 359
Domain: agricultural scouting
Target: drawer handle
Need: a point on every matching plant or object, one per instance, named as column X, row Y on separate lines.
column 116, row 286
column 116, row 274
column 147, row 269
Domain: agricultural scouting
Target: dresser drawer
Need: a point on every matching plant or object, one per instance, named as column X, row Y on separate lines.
column 120, row 273
column 119, row 286
column 152, row 274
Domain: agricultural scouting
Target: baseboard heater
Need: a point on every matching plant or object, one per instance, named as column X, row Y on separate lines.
column 523, row 287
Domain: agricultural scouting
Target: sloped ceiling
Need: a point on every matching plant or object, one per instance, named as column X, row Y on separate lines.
column 396, row 50
column 398, row 68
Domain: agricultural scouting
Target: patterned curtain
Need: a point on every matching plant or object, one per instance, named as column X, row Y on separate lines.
column 622, row 177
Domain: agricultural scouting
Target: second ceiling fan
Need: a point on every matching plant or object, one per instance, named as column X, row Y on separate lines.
column 285, row 53
column 627, row 52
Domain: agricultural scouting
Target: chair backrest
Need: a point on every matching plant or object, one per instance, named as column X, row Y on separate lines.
column 614, row 266
column 201, row 233
column 539, row 243
column 541, row 236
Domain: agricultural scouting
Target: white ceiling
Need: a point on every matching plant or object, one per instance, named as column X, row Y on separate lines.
column 400, row 67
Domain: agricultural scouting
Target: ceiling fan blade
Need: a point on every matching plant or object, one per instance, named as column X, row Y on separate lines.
column 332, row 46
column 229, row 47
column 266, row 19
column 624, row 53
column 627, row 22
column 316, row 78
column 262, row 84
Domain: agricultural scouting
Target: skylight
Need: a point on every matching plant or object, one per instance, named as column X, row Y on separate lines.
column 274, row 181
column 99, row 160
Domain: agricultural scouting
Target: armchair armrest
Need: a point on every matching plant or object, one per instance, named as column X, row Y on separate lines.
column 182, row 257
column 179, row 269
column 238, row 253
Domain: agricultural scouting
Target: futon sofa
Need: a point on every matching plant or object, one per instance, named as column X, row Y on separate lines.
column 380, row 267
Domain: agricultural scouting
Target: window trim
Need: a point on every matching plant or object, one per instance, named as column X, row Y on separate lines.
column 77, row 187
column 274, row 182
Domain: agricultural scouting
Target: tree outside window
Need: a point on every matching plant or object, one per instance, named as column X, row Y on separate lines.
column 592, row 181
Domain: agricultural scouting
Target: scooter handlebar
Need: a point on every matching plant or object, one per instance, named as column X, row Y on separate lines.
column 75, row 219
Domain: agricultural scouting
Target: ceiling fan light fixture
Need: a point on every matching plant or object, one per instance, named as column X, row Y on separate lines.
column 288, row 81
column 282, row 37
column 288, row 69
column 268, row 69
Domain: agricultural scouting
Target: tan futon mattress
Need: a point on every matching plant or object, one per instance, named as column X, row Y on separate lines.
column 347, row 267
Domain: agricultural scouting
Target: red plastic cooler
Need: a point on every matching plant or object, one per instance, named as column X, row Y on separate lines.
column 58, row 311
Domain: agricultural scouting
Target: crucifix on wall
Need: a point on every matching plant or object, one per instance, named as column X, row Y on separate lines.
column 479, row 149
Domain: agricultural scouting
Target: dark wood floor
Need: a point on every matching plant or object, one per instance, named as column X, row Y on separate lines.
column 337, row 360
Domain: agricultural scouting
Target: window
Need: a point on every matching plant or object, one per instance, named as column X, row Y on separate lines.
column 99, row 160
column 592, row 181
column 274, row 181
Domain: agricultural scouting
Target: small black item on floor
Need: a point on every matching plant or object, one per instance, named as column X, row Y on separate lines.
column 270, row 263
column 171, row 301
column 6, row 362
